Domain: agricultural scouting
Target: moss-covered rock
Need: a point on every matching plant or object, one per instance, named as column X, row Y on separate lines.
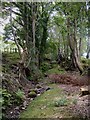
column 32, row 94
column 38, row 86
column 33, row 90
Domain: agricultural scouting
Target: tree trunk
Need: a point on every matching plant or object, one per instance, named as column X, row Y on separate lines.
column 88, row 47
column 22, row 75
column 73, row 47
column 88, row 32
column 80, row 44
column 34, row 14
column 75, row 58
column 77, row 62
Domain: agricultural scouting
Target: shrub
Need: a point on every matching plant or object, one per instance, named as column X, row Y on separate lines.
column 85, row 61
column 19, row 96
column 5, row 100
column 35, row 75
column 6, row 97
column 45, row 66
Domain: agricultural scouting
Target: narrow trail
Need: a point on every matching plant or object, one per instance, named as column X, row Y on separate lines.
column 67, row 85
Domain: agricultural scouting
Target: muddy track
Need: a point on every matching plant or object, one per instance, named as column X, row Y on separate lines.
column 68, row 78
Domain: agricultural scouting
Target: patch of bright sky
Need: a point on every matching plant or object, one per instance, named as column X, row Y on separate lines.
column 3, row 22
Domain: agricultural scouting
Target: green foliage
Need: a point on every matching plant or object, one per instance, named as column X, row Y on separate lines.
column 51, row 68
column 8, row 32
column 51, row 51
column 5, row 98
column 56, row 70
column 12, row 57
column 20, row 94
column 35, row 74
column 51, row 28
column 9, row 59
column 1, row 100
column 45, row 66
column 5, row 68
column 61, row 102
column 85, row 62
column 18, row 97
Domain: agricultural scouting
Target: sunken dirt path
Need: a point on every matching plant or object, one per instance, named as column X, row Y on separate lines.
column 71, row 104
column 64, row 91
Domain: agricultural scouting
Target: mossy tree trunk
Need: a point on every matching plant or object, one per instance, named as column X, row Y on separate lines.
column 73, row 46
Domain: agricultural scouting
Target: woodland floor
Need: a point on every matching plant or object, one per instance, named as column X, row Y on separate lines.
column 76, row 106
column 43, row 106
column 58, row 97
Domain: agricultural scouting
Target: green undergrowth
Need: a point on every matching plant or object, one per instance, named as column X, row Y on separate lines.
column 56, row 70
column 7, row 99
column 51, row 68
column 85, row 62
column 11, row 58
column 51, row 104
column 8, row 59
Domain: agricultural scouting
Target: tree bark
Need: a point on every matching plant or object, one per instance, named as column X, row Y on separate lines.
column 73, row 47
column 80, row 45
column 22, row 75
column 78, row 64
